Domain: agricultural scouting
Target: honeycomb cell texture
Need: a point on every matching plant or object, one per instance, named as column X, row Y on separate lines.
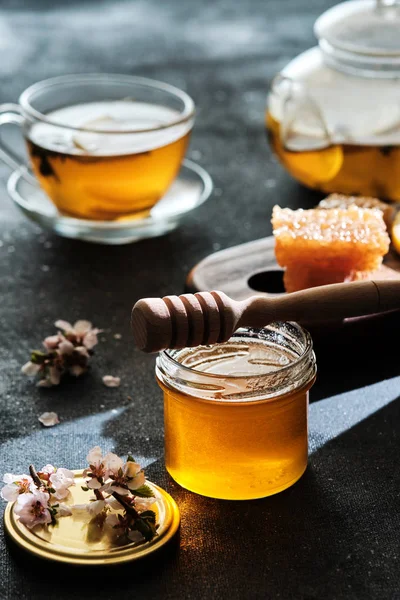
column 317, row 247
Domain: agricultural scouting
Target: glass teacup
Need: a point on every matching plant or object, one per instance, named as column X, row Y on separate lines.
column 103, row 147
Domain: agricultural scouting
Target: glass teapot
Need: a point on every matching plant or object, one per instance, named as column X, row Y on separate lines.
column 333, row 113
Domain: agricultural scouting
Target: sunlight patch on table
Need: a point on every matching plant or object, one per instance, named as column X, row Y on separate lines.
column 23, row 449
column 333, row 416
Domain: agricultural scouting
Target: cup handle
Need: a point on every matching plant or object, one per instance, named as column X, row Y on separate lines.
column 11, row 113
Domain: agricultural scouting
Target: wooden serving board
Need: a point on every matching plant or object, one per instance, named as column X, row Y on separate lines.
column 251, row 268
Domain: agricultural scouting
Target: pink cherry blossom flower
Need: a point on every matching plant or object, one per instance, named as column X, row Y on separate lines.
column 66, row 347
column 32, row 508
column 61, row 480
column 64, row 325
column 51, row 342
column 111, row 381
column 82, row 333
column 16, row 485
column 48, row 419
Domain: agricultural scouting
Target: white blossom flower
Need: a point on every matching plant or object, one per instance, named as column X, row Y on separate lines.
column 131, row 468
column 95, row 456
column 94, row 484
column 135, row 536
column 48, row 419
column 63, row 511
column 133, row 474
column 30, row 368
column 16, row 485
column 137, row 481
column 113, row 503
column 110, row 475
column 112, row 521
column 61, row 480
column 120, row 527
column 48, row 469
column 142, row 504
column 112, row 463
column 114, row 487
column 124, row 477
column 80, row 513
column 94, row 508
column 111, row 381
column 32, row 508
column 97, row 469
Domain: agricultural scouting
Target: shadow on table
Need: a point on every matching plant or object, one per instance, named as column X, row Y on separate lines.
column 355, row 355
column 334, row 534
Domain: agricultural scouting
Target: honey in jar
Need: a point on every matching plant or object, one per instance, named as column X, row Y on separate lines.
column 236, row 413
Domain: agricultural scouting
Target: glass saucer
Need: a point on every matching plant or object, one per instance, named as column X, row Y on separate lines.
column 191, row 188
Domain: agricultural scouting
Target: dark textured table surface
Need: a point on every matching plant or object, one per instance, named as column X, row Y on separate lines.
column 335, row 534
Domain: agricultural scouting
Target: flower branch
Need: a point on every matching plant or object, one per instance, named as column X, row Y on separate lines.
column 68, row 351
column 117, row 484
column 37, row 495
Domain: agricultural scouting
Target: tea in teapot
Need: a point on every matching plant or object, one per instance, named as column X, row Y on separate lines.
column 333, row 113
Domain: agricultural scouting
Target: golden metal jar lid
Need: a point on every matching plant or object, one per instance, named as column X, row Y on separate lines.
column 75, row 542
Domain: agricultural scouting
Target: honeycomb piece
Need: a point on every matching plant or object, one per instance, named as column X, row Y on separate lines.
column 302, row 277
column 343, row 201
column 318, row 247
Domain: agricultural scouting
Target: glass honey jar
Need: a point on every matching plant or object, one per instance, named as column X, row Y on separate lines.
column 333, row 113
column 236, row 412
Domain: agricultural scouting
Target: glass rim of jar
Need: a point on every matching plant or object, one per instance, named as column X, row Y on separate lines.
column 186, row 114
column 303, row 368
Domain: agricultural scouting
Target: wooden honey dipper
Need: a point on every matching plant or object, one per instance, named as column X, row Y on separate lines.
column 209, row 317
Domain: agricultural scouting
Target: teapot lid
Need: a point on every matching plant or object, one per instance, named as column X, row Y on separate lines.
column 362, row 34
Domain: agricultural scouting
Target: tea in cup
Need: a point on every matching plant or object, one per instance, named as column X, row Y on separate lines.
column 104, row 147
